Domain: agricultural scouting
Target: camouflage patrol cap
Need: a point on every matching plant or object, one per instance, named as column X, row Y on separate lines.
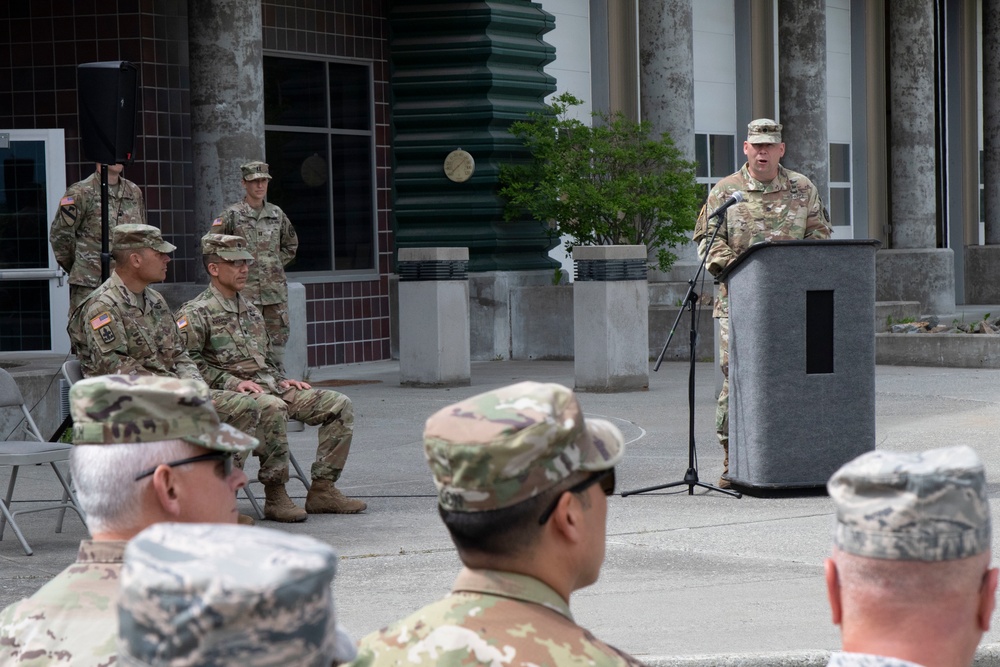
column 209, row 594
column 115, row 409
column 225, row 246
column 254, row 170
column 503, row 447
column 763, row 131
column 928, row 506
column 133, row 237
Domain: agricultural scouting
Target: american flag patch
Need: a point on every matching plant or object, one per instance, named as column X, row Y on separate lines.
column 100, row 320
column 182, row 322
column 217, row 222
column 66, row 201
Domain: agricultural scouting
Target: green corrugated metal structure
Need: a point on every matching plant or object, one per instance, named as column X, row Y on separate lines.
column 462, row 72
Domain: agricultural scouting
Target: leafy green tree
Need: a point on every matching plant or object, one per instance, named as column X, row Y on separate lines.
column 606, row 184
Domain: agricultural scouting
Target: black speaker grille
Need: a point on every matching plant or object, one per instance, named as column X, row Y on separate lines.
column 433, row 269
column 607, row 270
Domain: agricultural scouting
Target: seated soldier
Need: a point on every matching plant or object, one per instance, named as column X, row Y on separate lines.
column 146, row 450
column 522, row 482
column 126, row 327
column 909, row 581
column 226, row 335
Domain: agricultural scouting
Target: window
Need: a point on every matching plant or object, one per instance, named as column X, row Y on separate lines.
column 715, row 155
column 840, row 185
column 319, row 142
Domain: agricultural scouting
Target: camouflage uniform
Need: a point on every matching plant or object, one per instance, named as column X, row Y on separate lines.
column 126, row 333
column 493, row 451
column 490, row 618
column 227, row 338
column 71, row 619
column 273, row 243
column 199, row 594
column 788, row 207
column 867, row 660
column 76, row 230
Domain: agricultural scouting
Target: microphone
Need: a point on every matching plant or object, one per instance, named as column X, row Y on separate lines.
column 735, row 199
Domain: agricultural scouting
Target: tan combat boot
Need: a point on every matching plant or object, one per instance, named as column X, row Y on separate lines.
column 724, row 481
column 279, row 507
column 246, row 520
column 325, row 498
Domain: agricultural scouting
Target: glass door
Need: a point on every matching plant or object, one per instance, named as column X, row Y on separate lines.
column 34, row 294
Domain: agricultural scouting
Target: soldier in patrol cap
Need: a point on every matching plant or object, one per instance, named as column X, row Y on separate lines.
column 273, row 243
column 76, row 230
column 522, row 481
column 198, row 595
column 226, row 335
column 910, row 581
column 779, row 204
column 126, row 327
column 146, row 450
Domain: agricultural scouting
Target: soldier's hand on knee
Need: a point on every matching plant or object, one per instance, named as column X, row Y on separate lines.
column 249, row 387
column 298, row 384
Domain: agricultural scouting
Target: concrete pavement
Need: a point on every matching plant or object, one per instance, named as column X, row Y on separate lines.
column 734, row 581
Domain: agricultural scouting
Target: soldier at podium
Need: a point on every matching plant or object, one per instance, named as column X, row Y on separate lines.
column 779, row 204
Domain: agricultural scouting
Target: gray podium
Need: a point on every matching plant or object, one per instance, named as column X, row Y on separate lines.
column 801, row 360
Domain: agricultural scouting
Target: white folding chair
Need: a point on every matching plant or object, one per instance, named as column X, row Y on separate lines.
column 16, row 453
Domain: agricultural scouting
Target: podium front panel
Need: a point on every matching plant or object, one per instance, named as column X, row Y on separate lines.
column 801, row 361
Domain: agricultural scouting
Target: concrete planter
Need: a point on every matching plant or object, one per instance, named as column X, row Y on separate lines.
column 610, row 318
column 945, row 350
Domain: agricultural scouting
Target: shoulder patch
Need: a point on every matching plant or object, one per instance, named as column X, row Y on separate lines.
column 66, row 201
column 101, row 320
column 217, row 222
column 182, row 322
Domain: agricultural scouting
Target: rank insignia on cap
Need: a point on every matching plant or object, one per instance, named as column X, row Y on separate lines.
column 101, row 320
column 66, row 201
column 217, row 222
column 182, row 322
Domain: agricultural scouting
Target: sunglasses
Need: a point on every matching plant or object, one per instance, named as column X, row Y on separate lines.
column 225, row 457
column 238, row 263
column 606, row 478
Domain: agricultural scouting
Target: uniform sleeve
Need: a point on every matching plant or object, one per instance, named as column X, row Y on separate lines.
column 720, row 254
column 193, row 324
column 289, row 240
column 62, row 235
column 142, row 204
column 818, row 220
column 107, row 342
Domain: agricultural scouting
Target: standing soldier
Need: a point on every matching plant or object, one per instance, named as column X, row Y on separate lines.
column 272, row 241
column 780, row 204
column 76, row 230
column 225, row 335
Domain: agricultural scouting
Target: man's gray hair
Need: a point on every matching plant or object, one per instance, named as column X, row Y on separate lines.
column 104, row 476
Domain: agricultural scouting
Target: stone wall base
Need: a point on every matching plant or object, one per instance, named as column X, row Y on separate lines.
column 926, row 275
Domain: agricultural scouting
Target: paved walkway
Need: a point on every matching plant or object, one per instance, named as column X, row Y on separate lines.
column 685, row 575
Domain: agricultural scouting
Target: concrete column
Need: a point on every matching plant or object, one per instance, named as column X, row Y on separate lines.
column 991, row 119
column 227, row 100
column 666, row 80
column 434, row 338
column 666, row 69
column 611, row 318
column 802, row 89
column 912, row 128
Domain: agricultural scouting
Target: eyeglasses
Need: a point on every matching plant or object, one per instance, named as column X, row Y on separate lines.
column 225, row 457
column 606, row 479
column 238, row 263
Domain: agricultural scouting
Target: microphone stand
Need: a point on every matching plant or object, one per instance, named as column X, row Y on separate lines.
column 689, row 304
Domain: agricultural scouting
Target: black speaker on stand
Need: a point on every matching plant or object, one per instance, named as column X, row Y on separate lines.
column 107, row 94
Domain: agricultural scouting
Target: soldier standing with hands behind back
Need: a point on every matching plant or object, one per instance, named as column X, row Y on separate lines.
column 76, row 230
column 272, row 241
column 780, row 204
